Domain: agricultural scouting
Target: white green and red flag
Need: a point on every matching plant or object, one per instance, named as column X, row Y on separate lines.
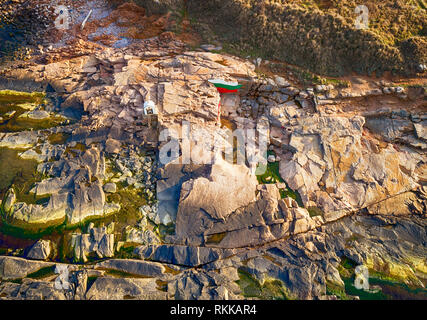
column 224, row 87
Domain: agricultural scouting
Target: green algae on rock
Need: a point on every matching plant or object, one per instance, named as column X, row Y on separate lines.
column 272, row 175
column 17, row 178
column 21, row 173
column 20, row 111
column 271, row 289
column 21, row 97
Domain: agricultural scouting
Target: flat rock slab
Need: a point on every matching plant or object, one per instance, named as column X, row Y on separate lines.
column 207, row 199
column 137, row 267
column 125, row 288
column 31, row 290
column 17, row 268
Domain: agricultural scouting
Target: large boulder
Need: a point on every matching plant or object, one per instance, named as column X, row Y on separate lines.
column 40, row 250
column 212, row 198
column 27, row 215
column 97, row 240
column 16, row 268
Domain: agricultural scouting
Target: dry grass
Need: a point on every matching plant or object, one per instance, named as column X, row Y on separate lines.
column 317, row 35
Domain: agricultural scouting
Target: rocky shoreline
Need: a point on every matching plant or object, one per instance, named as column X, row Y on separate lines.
column 345, row 182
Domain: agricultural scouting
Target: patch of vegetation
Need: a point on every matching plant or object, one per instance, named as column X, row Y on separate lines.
column 244, row 52
column 19, row 96
column 272, row 175
column 270, row 290
column 305, row 77
column 216, row 238
column 396, row 290
column 58, row 138
column 314, row 211
column 320, row 36
column 163, row 231
column 289, row 193
column 350, row 289
column 130, row 200
column 119, row 274
column 127, row 251
column 32, row 232
column 348, row 263
column 18, row 123
column 123, row 274
column 339, row 292
column 349, row 292
column 13, row 108
column 42, row 273
column 18, row 281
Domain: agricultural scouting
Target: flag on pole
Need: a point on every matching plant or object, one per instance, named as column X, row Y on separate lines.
column 224, row 87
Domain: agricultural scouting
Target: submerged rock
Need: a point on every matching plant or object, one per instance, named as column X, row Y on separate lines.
column 135, row 267
column 203, row 200
column 38, row 115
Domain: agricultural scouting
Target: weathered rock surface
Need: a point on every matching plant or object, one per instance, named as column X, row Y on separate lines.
column 31, row 290
column 200, row 227
column 196, row 285
column 40, row 250
column 98, row 240
column 135, row 267
column 336, row 166
column 16, row 268
column 106, row 288
column 227, row 188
